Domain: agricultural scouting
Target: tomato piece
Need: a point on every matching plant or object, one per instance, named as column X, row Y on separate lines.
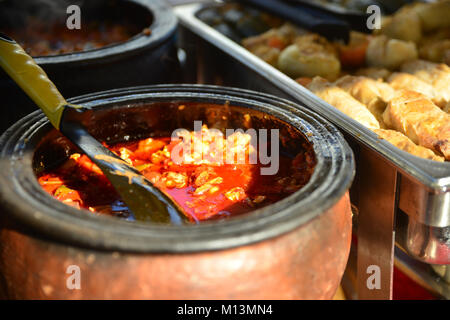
column 353, row 56
column 276, row 42
column 85, row 163
column 304, row 81
column 50, row 183
column 147, row 147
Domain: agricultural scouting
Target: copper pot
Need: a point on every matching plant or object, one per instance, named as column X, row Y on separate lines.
column 142, row 59
column 296, row 248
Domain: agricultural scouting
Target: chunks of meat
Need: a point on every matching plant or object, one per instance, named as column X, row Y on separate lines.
column 433, row 15
column 421, row 120
column 175, row 179
column 384, row 52
column 343, row 101
column 268, row 45
column 204, row 189
column 208, row 185
column 202, row 178
column 147, row 147
column 160, row 156
column 125, row 154
column 310, row 55
column 201, row 175
column 405, row 25
column 235, row 194
column 412, row 22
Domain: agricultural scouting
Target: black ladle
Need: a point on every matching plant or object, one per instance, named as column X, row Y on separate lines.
column 147, row 202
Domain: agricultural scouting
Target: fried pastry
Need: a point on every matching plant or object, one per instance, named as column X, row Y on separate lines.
column 414, row 115
column 373, row 94
column 343, row 101
column 404, row 143
column 402, row 80
column 437, row 75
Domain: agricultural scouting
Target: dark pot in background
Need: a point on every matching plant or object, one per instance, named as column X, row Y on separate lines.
column 141, row 60
column 296, row 248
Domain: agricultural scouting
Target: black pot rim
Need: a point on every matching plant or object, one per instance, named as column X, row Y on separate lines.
column 163, row 27
column 25, row 200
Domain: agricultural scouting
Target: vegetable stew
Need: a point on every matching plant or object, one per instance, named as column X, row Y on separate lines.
column 204, row 188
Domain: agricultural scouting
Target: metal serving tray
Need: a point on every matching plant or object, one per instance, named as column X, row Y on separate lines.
column 389, row 181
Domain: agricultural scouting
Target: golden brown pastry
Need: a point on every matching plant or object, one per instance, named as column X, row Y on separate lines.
column 404, row 143
column 421, row 120
column 268, row 45
column 343, row 101
column 373, row 94
column 384, row 52
column 374, row 73
column 437, row 75
column 310, row 55
column 402, row 80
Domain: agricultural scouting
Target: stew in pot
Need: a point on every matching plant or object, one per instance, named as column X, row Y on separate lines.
column 203, row 187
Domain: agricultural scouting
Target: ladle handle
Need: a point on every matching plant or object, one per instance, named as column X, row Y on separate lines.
column 142, row 197
column 32, row 79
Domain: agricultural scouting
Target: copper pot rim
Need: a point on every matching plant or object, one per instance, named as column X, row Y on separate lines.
column 29, row 204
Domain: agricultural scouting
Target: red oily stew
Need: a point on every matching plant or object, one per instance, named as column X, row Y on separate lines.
column 40, row 39
column 203, row 186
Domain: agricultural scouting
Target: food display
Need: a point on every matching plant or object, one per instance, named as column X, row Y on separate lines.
column 116, row 38
column 386, row 96
column 47, row 28
column 331, row 155
column 204, row 187
column 40, row 39
column 374, row 77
